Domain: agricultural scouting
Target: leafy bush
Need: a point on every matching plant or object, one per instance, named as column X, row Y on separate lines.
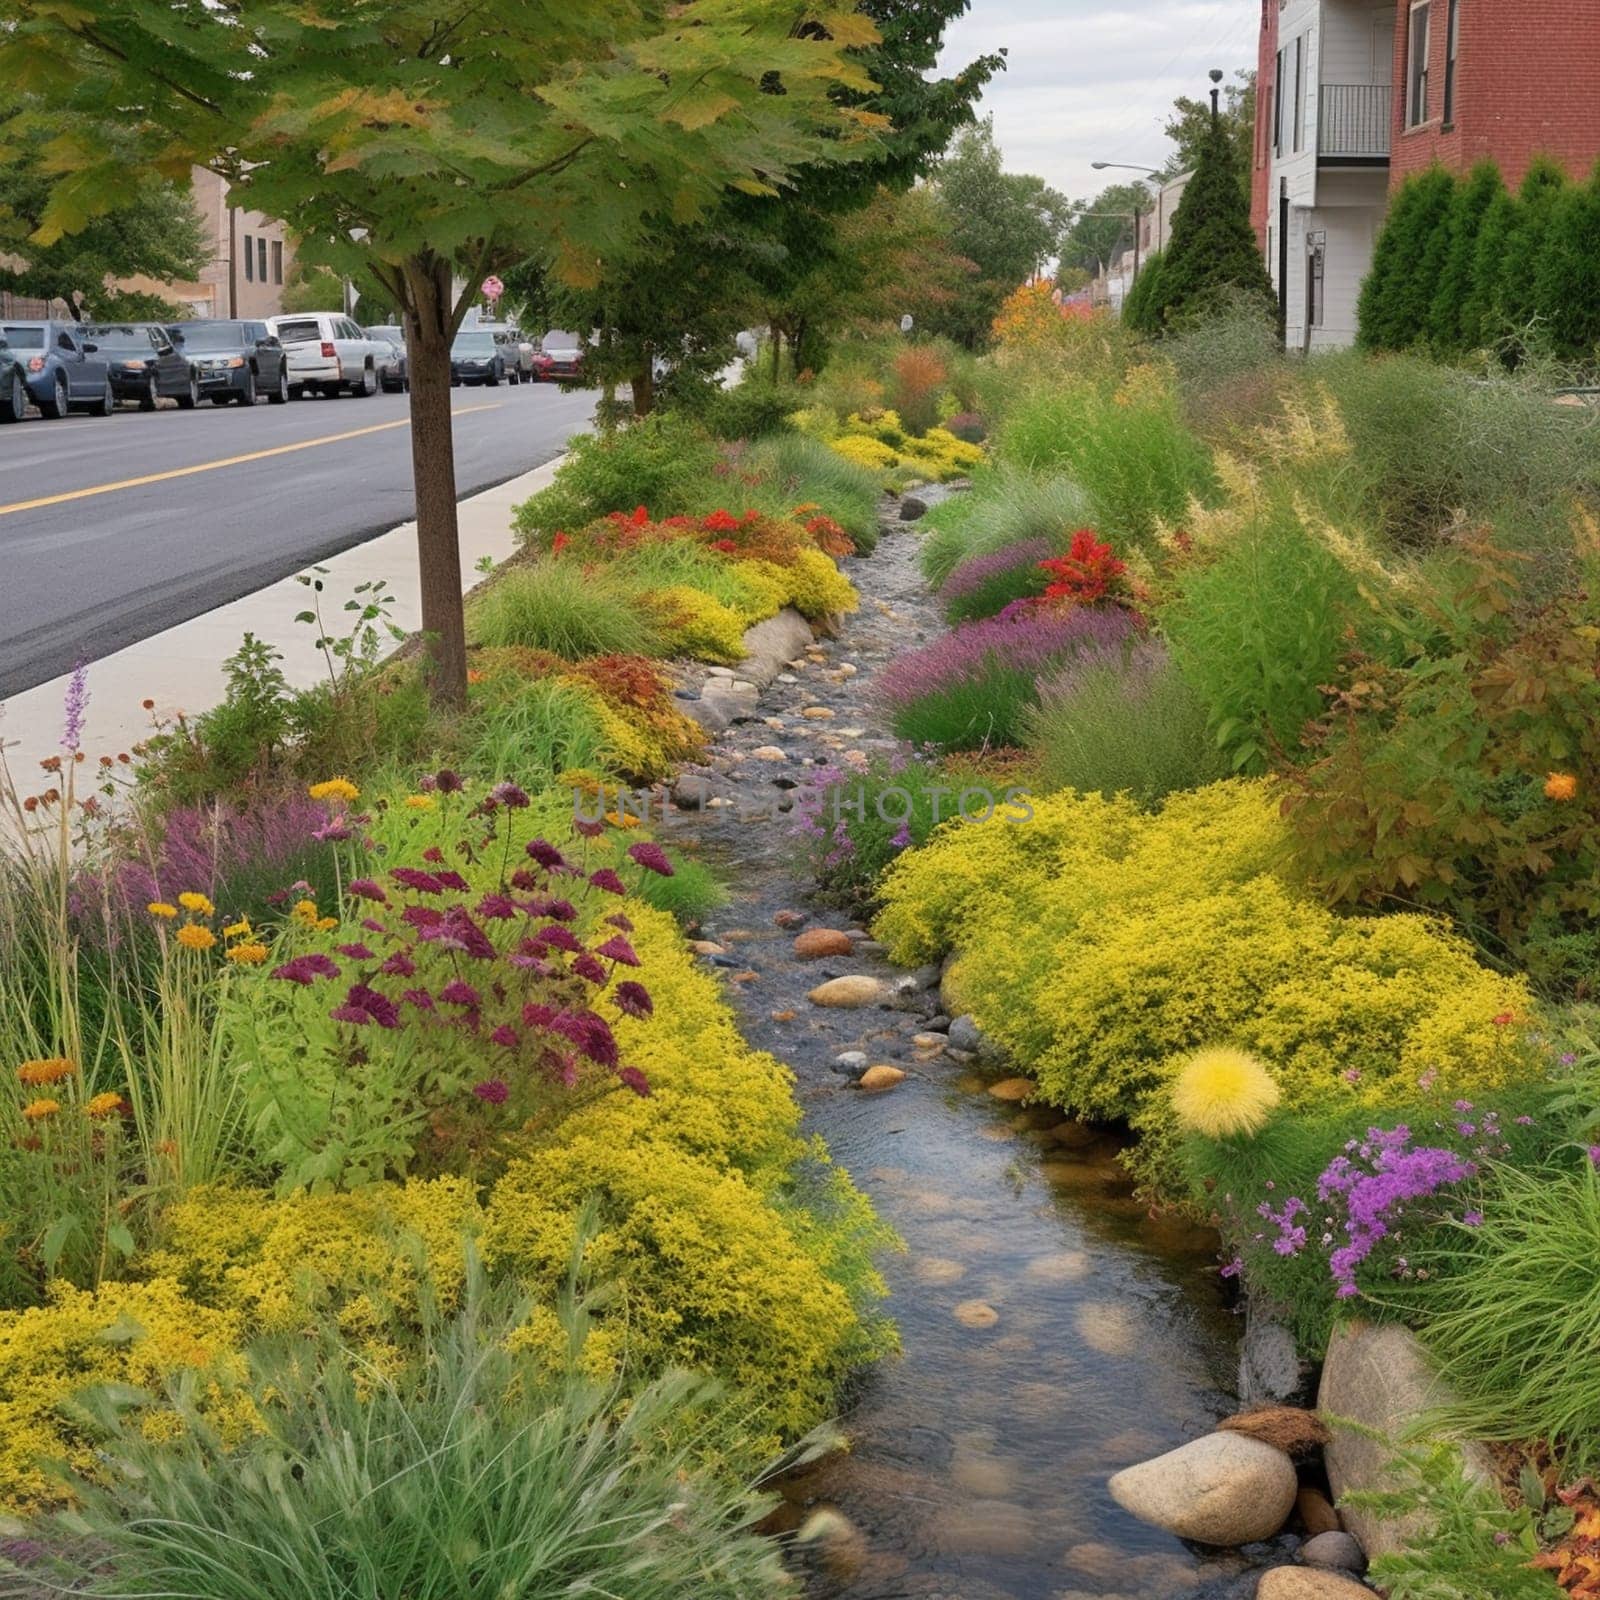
column 751, row 409
column 1100, row 946
column 1502, row 716
column 1003, row 508
column 1257, row 631
column 1407, row 260
column 971, row 688
column 557, row 606
column 460, row 1472
column 792, row 470
column 660, row 461
column 1118, row 722
column 967, row 425
column 918, row 380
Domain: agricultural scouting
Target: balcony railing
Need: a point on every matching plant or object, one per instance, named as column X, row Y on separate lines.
column 1354, row 122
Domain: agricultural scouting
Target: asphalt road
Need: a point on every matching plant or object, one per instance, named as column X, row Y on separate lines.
column 112, row 529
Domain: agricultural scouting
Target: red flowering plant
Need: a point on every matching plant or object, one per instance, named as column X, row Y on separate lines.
column 1088, row 572
column 440, row 1017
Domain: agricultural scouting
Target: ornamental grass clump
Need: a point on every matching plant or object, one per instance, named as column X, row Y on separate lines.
column 1224, row 1093
column 982, row 585
column 971, row 688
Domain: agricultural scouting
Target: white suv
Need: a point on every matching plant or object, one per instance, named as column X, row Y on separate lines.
column 327, row 353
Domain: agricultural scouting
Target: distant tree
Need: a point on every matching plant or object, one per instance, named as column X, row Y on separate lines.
column 434, row 143
column 1008, row 224
column 1458, row 242
column 1397, row 296
column 1190, row 124
column 1212, row 254
column 1567, row 274
column 1141, row 307
column 1102, row 228
column 151, row 230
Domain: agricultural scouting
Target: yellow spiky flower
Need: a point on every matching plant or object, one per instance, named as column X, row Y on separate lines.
column 194, row 937
column 1224, row 1093
column 199, row 904
column 334, row 789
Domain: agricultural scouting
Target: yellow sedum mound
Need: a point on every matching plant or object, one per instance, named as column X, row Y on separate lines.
column 726, row 1241
column 1102, row 946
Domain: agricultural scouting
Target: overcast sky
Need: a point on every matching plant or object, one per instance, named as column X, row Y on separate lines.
column 1090, row 80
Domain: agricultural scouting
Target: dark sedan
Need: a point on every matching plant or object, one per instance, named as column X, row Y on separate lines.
column 145, row 364
column 475, row 357
column 54, row 365
column 239, row 361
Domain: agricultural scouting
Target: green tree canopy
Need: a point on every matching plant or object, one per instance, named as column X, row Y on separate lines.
column 433, row 143
column 1189, row 126
column 1102, row 228
column 1397, row 296
column 1447, row 316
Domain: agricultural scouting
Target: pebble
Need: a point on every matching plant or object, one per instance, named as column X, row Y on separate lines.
column 1340, row 1551
column 851, row 1064
column 928, row 1041
column 1008, row 1088
column 768, row 752
column 841, row 993
column 705, row 947
column 789, row 919
column 784, row 1016
column 877, row 1079
column 976, row 1314
column 938, row 1024
column 818, row 714
column 847, row 669
column 817, row 942
column 786, row 677
column 938, row 1270
column 1316, row 1513
column 1308, row 1583
column 719, row 672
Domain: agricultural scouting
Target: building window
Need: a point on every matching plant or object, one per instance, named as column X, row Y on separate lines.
column 277, row 260
column 1277, row 108
column 1452, row 40
column 1417, row 66
column 1300, row 92
column 261, row 259
column 249, row 261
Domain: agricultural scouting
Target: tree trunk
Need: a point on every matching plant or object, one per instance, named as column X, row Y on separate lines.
column 429, row 330
column 643, row 384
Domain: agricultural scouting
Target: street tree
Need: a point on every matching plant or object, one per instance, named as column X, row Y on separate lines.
column 1189, row 126
column 1102, row 228
column 152, row 229
column 431, row 144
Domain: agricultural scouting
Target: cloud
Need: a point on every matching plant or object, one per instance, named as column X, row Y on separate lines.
column 1090, row 81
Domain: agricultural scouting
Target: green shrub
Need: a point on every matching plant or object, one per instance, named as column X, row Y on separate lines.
column 465, row 1472
column 751, row 409
column 793, row 470
column 1567, row 275
column 1123, row 726
column 1517, row 298
column 691, row 894
column 1407, row 260
column 1257, row 631
column 1002, row 508
column 556, row 605
column 1469, row 210
column 659, row 462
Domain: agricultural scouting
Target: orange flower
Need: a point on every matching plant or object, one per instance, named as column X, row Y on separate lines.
column 1560, row 786
column 49, row 1070
column 194, row 937
column 38, row 1110
column 109, row 1104
column 1503, row 1019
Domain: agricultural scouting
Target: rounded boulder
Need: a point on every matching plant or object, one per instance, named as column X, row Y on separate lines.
column 1223, row 1489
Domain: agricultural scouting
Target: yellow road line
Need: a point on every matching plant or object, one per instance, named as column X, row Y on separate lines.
column 226, row 461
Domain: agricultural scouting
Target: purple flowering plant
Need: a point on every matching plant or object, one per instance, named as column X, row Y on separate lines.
column 472, row 1005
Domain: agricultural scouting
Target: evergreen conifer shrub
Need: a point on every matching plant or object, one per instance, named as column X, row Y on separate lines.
column 1472, row 203
column 1566, row 273
column 1407, row 261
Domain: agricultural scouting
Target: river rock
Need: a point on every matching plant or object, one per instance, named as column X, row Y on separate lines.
column 818, row 713
column 964, row 1034
column 1340, row 1551
column 911, row 507
column 771, row 645
column 815, row 942
column 789, row 919
column 706, row 947
column 976, row 1314
column 1379, row 1376
column 1011, row 1088
column 1270, row 1368
column 852, row 1064
column 768, row 752
column 1316, row 1513
column 1222, row 1489
column 875, row 1080
column 1306, row 1583
column 844, row 993
column 840, row 1543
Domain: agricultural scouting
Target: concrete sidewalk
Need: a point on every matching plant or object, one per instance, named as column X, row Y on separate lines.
column 181, row 669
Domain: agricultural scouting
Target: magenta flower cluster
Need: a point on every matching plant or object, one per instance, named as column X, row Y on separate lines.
column 1374, row 1182
column 1022, row 639
column 504, row 977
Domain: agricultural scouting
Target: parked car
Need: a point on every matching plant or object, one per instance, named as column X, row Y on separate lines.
column 393, row 374
column 476, row 357
column 54, row 366
column 237, row 361
column 145, row 365
column 327, row 352
column 517, row 353
column 560, row 355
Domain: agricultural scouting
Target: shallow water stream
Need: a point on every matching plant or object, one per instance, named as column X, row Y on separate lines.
column 1051, row 1330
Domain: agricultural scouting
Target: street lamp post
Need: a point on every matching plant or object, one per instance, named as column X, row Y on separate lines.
column 1149, row 172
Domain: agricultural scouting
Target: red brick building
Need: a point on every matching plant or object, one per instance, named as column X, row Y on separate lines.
column 1497, row 80
column 1357, row 95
